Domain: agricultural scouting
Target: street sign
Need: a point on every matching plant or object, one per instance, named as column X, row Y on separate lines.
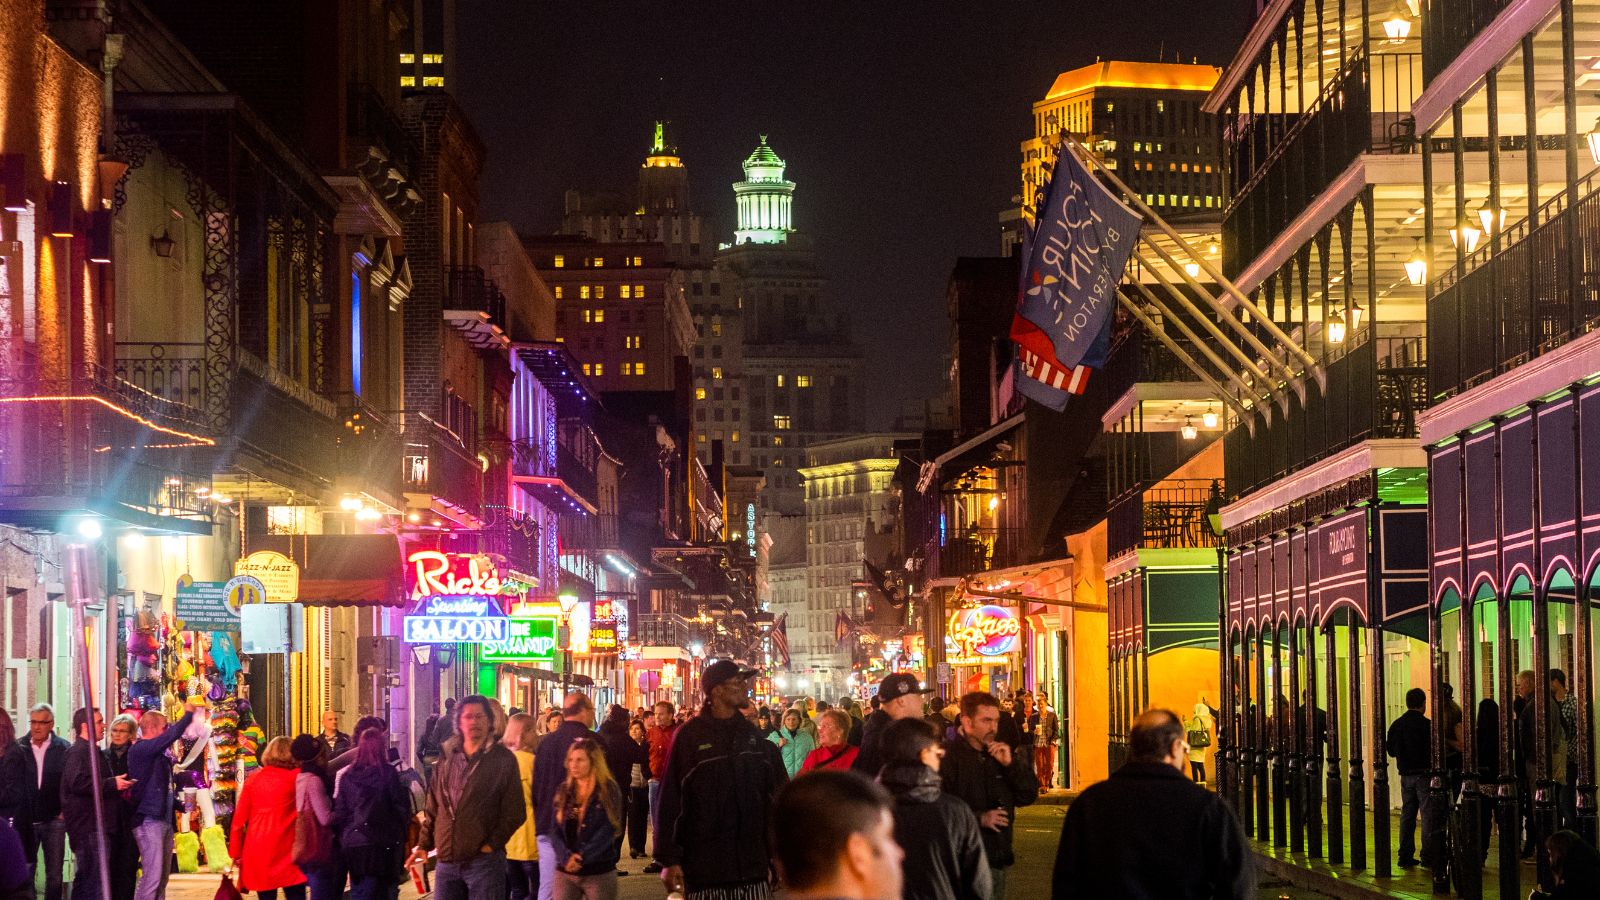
column 272, row 628
column 244, row 590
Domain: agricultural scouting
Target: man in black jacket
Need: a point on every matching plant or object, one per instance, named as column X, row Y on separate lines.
column 899, row 697
column 716, row 796
column 77, row 800
column 1407, row 741
column 549, row 770
column 1148, row 831
column 44, row 758
column 992, row 777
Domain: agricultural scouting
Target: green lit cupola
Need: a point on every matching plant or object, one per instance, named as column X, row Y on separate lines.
column 662, row 154
column 663, row 180
column 765, row 199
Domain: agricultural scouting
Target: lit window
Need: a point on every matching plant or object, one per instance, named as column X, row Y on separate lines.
column 734, row 437
column 638, row 289
column 599, row 369
column 1161, row 106
column 583, row 292
column 408, row 81
column 408, row 59
column 781, row 423
column 560, row 262
column 599, row 262
column 627, row 368
column 638, row 368
column 780, row 381
column 638, row 260
column 716, row 326
column 433, row 81
column 777, row 440
column 433, row 59
column 626, row 292
column 599, row 316
column 599, row 292
column 716, row 373
column 559, row 292
column 587, row 370
column 803, row 381
column 699, row 393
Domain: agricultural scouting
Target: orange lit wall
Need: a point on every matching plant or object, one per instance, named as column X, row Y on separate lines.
column 1090, row 711
column 1179, row 678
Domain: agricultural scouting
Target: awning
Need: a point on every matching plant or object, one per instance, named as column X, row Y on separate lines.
column 342, row 569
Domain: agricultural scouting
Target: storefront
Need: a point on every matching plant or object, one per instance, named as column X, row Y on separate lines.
column 983, row 647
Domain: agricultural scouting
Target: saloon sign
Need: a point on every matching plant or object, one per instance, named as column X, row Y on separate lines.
column 457, row 600
column 985, row 631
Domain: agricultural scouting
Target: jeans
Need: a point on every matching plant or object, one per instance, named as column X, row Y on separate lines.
column 998, row 882
column 51, row 837
column 154, row 837
column 326, row 881
column 638, row 818
column 86, row 851
column 522, row 877
column 293, row 892
column 547, row 868
column 655, row 811
column 586, row 887
column 483, row 878
column 1197, row 770
column 1413, row 793
column 373, row 887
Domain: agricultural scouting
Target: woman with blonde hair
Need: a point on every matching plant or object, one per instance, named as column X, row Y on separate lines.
column 588, row 818
column 522, row 851
column 262, row 841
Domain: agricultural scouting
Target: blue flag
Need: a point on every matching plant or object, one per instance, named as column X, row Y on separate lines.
column 1073, row 259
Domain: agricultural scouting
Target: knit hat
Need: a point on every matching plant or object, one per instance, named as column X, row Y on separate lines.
column 305, row 748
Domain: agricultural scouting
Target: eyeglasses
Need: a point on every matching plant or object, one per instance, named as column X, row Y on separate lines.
column 41, row 721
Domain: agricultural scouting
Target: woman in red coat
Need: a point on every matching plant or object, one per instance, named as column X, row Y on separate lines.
column 262, row 842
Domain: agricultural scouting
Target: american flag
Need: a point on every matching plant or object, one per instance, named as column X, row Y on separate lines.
column 780, row 638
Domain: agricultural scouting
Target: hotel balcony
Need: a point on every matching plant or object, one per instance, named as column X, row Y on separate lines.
column 569, row 487
column 591, row 533
column 439, row 462
column 1377, row 384
column 95, row 444
column 661, row 630
column 474, row 306
column 1499, row 310
column 1165, row 515
column 969, row 551
column 370, row 447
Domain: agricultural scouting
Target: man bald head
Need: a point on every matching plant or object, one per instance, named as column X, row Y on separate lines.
column 1157, row 737
column 577, row 707
column 152, row 723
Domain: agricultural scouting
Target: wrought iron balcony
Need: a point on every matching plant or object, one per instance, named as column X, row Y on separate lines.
column 1375, row 390
column 1501, row 309
column 969, row 551
column 1138, row 357
column 1448, row 26
column 1278, row 164
column 92, row 443
column 513, row 536
column 475, row 306
column 590, row 533
column 369, row 118
column 662, row 630
column 175, row 371
column 369, row 450
column 437, row 461
column 1166, row 515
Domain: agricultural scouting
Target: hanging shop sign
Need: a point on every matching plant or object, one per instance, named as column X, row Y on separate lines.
column 203, row 606
column 456, row 620
column 278, row 574
column 244, row 590
column 985, row 631
column 530, row 637
column 603, row 636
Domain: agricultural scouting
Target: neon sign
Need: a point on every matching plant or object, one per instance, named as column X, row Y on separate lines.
column 985, row 631
column 434, row 573
column 750, row 527
column 603, row 636
column 454, row 629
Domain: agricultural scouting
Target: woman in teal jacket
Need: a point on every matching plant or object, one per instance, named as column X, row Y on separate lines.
column 793, row 742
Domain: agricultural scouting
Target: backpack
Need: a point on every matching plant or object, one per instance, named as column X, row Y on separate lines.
column 1199, row 737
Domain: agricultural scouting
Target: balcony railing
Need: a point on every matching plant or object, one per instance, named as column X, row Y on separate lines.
column 370, row 118
column 1448, row 26
column 95, row 442
column 175, row 371
column 1168, row 515
column 661, row 630
column 513, row 536
column 437, row 462
column 972, row 550
column 1504, row 308
column 1375, row 390
column 370, row 448
column 1142, row 358
column 590, row 532
column 472, row 291
column 1280, row 163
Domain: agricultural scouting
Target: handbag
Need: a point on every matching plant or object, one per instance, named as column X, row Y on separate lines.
column 1199, row 738
column 313, row 841
column 226, row 890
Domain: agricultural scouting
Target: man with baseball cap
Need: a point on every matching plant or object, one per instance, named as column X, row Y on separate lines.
column 716, row 796
column 900, row 697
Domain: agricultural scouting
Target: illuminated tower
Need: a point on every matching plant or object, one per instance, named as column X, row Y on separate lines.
column 663, row 181
column 764, row 199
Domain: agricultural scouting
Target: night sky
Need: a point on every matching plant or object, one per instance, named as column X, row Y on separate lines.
column 900, row 123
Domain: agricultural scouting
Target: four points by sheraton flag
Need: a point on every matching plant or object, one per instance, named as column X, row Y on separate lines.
column 1073, row 259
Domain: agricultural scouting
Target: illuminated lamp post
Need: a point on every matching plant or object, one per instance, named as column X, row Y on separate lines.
column 569, row 602
column 1223, row 756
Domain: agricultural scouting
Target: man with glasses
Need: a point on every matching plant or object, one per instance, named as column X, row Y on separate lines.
column 44, row 759
column 717, row 794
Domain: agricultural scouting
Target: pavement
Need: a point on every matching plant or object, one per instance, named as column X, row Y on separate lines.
column 1037, row 832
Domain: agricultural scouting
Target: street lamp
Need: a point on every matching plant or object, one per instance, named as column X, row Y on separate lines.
column 1493, row 219
column 1417, row 265
column 1224, row 759
column 568, row 602
column 1189, row 431
column 1398, row 26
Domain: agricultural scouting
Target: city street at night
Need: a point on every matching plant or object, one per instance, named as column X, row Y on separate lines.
column 512, row 450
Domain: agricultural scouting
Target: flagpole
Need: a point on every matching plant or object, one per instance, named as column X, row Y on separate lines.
column 1272, row 327
column 1222, row 366
column 1183, row 357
